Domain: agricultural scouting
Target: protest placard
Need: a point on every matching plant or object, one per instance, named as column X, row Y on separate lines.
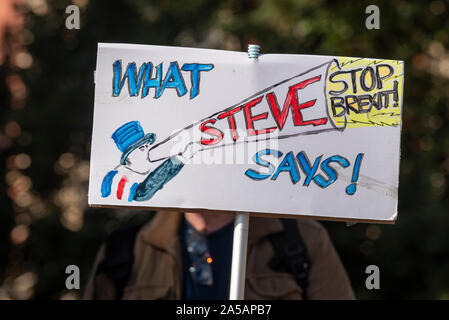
column 200, row 129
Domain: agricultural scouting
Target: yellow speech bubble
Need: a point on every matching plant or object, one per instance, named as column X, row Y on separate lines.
column 364, row 92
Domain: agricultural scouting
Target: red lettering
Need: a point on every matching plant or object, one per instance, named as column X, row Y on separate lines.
column 277, row 115
column 292, row 100
column 212, row 131
column 231, row 121
column 297, row 116
column 250, row 118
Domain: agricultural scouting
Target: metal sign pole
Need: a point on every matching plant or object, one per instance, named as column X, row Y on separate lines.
column 239, row 250
column 240, row 241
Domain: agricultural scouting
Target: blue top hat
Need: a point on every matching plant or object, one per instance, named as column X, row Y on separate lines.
column 129, row 137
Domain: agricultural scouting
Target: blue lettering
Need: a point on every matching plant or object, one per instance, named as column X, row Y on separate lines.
column 174, row 79
column 288, row 164
column 307, row 168
column 195, row 69
column 152, row 82
column 134, row 81
column 329, row 171
column 257, row 159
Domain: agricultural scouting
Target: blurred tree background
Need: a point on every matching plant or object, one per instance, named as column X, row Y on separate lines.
column 46, row 99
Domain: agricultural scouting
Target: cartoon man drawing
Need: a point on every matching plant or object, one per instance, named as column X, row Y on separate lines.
column 138, row 177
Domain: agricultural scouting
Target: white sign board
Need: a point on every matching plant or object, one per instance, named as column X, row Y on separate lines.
column 188, row 128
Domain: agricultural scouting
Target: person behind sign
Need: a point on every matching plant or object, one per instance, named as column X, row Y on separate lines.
column 188, row 256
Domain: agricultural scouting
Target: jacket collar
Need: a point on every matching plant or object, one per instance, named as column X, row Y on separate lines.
column 163, row 230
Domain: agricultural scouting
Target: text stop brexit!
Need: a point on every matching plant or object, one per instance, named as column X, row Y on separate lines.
column 366, row 84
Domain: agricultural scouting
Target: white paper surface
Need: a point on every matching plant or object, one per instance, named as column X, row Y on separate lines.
column 314, row 131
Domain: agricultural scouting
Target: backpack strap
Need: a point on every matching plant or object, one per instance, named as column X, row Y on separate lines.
column 119, row 257
column 290, row 254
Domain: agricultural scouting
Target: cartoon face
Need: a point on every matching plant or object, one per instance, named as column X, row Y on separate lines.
column 138, row 161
